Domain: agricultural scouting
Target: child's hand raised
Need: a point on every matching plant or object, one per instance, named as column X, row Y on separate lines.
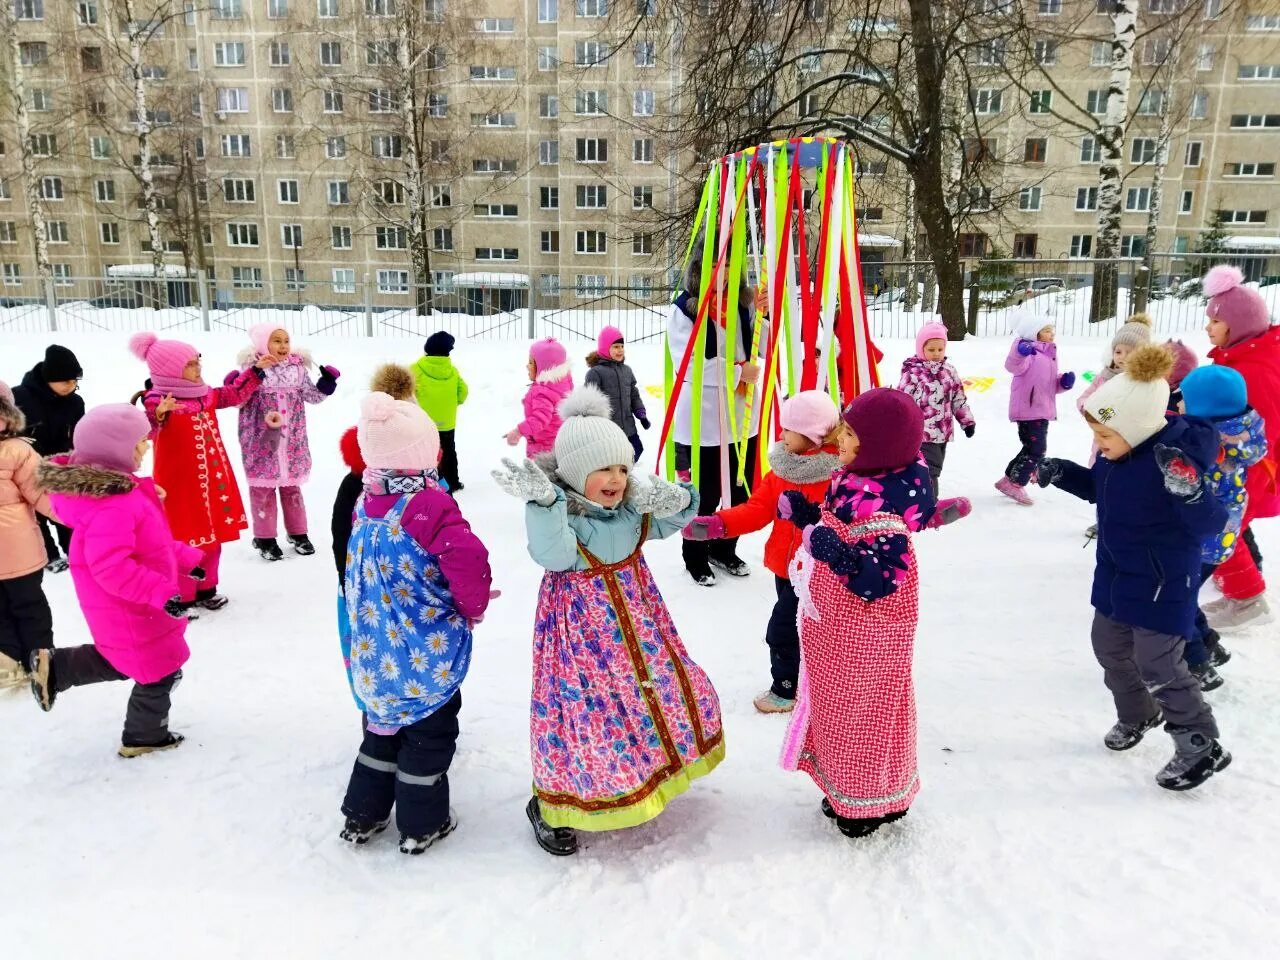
column 525, row 481
column 266, row 362
column 512, row 437
column 166, row 406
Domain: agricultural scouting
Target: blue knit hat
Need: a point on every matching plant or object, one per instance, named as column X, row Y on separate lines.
column 1214, row 392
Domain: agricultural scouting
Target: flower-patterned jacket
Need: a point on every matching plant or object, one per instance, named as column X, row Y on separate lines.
column 278, row 456
column 1244, row 444
column 936, row 388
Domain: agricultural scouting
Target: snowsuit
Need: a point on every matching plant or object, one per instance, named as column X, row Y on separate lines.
column 1033, row 402
column 541, row 420
column 1258, row 361
column 416, row 579
column 440, row 390
column 191, row 464
column 51, row 420
column 810, row 474
column 277, row 458
column 125, row 565
column 617, row 381
column 1146, row 580
column 622, row 719
column 26, row 623
column 854, row 726
column 938, row 391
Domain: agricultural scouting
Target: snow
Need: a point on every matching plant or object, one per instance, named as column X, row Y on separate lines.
column 1247, row 242
column 878, row 240
column 1029, row 839
column 146, row 271
column 490, row 280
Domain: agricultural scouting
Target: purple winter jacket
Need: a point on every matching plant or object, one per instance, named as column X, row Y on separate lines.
column 1033, row 395
column 936, row 388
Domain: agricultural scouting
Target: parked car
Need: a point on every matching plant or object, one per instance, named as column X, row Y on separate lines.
column 1032, row 287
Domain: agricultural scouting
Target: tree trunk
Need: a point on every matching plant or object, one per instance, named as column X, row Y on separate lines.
column 414, row 187
column 146, row 176
column 1161, row 166
column 22, row 119
column 911, row 295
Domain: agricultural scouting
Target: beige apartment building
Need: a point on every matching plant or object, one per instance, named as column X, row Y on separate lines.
column 279, row 150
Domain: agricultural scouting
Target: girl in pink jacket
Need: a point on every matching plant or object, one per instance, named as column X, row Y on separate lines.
column 551, row 383
column 126, row 567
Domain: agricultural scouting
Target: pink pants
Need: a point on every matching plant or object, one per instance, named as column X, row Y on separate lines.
column 189, row 587
column 262, row 501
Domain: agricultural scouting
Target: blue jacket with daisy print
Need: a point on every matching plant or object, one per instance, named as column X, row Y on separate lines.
column 416, row 581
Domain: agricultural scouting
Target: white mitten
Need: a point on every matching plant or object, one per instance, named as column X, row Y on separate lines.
column 657, row 496
column 525, row 481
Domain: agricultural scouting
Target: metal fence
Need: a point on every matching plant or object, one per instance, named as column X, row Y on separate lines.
column 1059, row 288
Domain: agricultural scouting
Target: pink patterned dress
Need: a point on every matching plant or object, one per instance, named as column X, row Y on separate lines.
column 622, row 719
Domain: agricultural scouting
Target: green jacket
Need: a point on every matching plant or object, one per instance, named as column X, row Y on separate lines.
column 440, row 390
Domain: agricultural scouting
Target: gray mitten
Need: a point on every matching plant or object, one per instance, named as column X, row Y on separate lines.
column 525, row 481
column 657, row 496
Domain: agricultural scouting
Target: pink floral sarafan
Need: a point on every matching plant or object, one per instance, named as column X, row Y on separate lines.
column 273, row 426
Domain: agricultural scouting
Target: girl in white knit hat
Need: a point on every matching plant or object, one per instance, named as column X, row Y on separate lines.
column 622, row 719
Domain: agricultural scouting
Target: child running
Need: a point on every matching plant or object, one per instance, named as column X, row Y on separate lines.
column 607, row 371
column 550, row 383
column 622, row 718
column 803, row 460
column 1153, row 514
column 936, row 387
column 441, row 391
column 126, row 567
column 1132, row 334
column 191, row 464
column 273, row 437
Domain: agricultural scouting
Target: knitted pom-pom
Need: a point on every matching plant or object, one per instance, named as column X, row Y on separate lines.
column 1149, row 363
column 586, row 401
column 378, row 408
column 140, row 344
column 1221, row 279
column 1142, row 318
column 394, row 380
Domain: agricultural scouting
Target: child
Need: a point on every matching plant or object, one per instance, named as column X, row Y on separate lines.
column 191, row 464
column 550, row 382
column 48, row 398
column 1184, row 361
column 929, row 380
column 607, row 370
column 126, row 567
column 1153, row 514
column 440, row 391
column 803, row 460
column 854, row 727
column 623, row 720
column 26, row 623
column 273, row 437
column 1244, row 340
column 416, row 582
column 1132, row 334
column 1033, row 361
column 1219, row 394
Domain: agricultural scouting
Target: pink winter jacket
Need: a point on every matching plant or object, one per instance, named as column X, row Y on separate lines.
column 541, row 417
column 21, row 548
column 125, row 564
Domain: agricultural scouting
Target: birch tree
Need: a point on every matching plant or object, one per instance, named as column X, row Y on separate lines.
column 18, row 103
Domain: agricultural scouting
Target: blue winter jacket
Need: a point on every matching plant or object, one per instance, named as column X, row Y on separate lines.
column 1243, row 444
column 1148, row 563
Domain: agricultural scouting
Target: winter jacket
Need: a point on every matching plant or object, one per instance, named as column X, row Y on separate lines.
column 718, row 393
column 938, row 391
column 809, row 473
column 610, row 535
column 344, row 508
column 440, row 390
column 1148, row 554
column 617, row 382
column 51, row 419
column 1258, row 361
column 1243, row 444
column 278, row 456
column 21, row 547
column 125, row 565
column 1033, row 395
column 541, row 420
column 1103, row 375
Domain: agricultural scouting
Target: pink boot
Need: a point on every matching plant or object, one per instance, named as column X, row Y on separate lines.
column 1014, row 492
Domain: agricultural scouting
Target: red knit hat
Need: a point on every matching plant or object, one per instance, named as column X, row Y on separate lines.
column 350, row 446
column 890, row 429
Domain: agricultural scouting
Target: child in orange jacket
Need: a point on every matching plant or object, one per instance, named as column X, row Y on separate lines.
column 802, row 460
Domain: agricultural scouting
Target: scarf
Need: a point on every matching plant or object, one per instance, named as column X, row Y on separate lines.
column 179, row 387
column 381, row 481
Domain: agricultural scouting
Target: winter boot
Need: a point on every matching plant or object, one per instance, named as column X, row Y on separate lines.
column 210, row 599
column 733, row 566
column 40, row 673
column 56, row 565
column 770, row 702
column 557, row 841
column 1014, row 492
column 416, row 845
column 268, row 549
column 856, row 827
column 359, row 832
column 703, row 575
column 1125, row 736
column 1196, row 758
column 1218, row 654
column 301, row 545
column 131, row 748
column 12, row 673
column 1210, row 679
column 1238, row 613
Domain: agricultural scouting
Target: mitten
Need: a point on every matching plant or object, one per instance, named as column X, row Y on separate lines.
column 705, row 528
column 328, row 381
column 684, row 476
column 526, row 482
column 949, row 511
column 1026, row 348
column 197, row 573
column 793, row 506
column 1068, row 380
column 644, row 421
column 175, row 608
column 658, row 497
column 969, row 429
column 513, row 437
column 1047, row 471
column 1182, row 478
column 231, row 378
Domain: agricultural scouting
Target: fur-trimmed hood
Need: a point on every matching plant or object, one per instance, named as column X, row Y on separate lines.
column 81, row 480
column 554, row 374
column 576, row 503
column 803, row 468
column 249, row 356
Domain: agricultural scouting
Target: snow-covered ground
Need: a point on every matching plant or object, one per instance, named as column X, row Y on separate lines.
column 1029, row 839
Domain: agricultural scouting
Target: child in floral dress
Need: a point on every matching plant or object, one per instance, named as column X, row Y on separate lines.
column 622, row 719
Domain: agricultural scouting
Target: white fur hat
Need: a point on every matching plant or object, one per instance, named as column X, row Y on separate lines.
column 1027, row 325
column 588, row 440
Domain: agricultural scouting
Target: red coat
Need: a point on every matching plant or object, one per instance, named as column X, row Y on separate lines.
column 1258, row 361
column 810, row 473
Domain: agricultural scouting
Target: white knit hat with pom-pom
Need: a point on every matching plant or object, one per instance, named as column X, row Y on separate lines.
column 395, row 435
column 588, row 439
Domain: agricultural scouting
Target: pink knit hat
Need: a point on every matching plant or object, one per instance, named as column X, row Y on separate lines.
column 1241, row 308
column 396, row 435
column 1184, row 361
column 608, row 337
column 935, row 330
column 890, row 428
column 260, row 336
column 810, row 413
column 164, row 358
column 549, row 359
column 107, row 435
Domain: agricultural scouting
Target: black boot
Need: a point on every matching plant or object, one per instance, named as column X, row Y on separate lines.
column 301, row 545
column 358, row 832
column 416, row 845
column 210, row 599
column 267, row 548
column 130, row 748
column 557, row 841
column 40, row 672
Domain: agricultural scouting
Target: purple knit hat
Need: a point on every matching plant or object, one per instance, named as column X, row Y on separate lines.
column 549, row 359
column 106, row 437
column 608, row 337
column 890, row 429
column 1241, row 308
column 165, row 359
column 1184, row 361
column 935, row 330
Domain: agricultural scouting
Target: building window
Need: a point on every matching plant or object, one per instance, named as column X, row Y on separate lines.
column 590, row 284
column 1046, row 52
column 1035, row 150
column 548, row 198
column 331, row 54
column 282, row 100
column 277, row 9
column 1156, row 51
column 1024, row 245
column 591, row 242
column 335, row 148
column 327, row 9
column 1133, row 245
column 1086, row 198
column 242, row 234
column 641, row 198
column 339, row 192
column 12, row 275
column 236, row 145
column 226, row 9
column 57, row 231
column 1249, row 170
column 229, row 54
column 550, row 241
column 973, row 244
column 1049, row 8
column 1186, row 202
column 591, row 103
column 44, row 144
column 548, row 11
column 495, row 211
column 385, row 100
column 87, row 13
column 1262, row 23
column 294, row 278
column 547, row 59
column 1081, row 245
column 1258, row 71
column 391, row 238
column 642, row 150
column 591, row 196
column 232, row 99
column 1243, row 216
column 1041, row 101
column 287, row 191
column 1204, row 57
column 1100, row 54
column 500, row 25
column 985, row 102
column 979, row 199
column 642, row 103
column 976, row 150
column 487, row 73
column 1255, row 121
column 1096, row 102
column 246, row 278
column 333, row 102
column 33, row 54
column 497, row 253
column 238, row 190
column 340, row 239
column 548, row 152
column 393, row 281
column 1138, row 200
column 1194, row 151
column 442, row 238
column 442, row 281
column 278, row 53
column 493, row 165
column 592, row 8
column 1143, row 150
column 1199, row 105
column 109, row 232
column 590, row 53
column 550, row 284
column 1151, row 103
column 1090, row 150
column 386, row 146
column 29, row 10
column 437, row 105
column 592, row 150
column 91, row 59
column 104, row 191
column 646, row 54
column 642, row 245
column 62, row 274
column 1029, row 199
column 441, row 196
column 380, row 8
column 548, row 106
column 51, row 188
